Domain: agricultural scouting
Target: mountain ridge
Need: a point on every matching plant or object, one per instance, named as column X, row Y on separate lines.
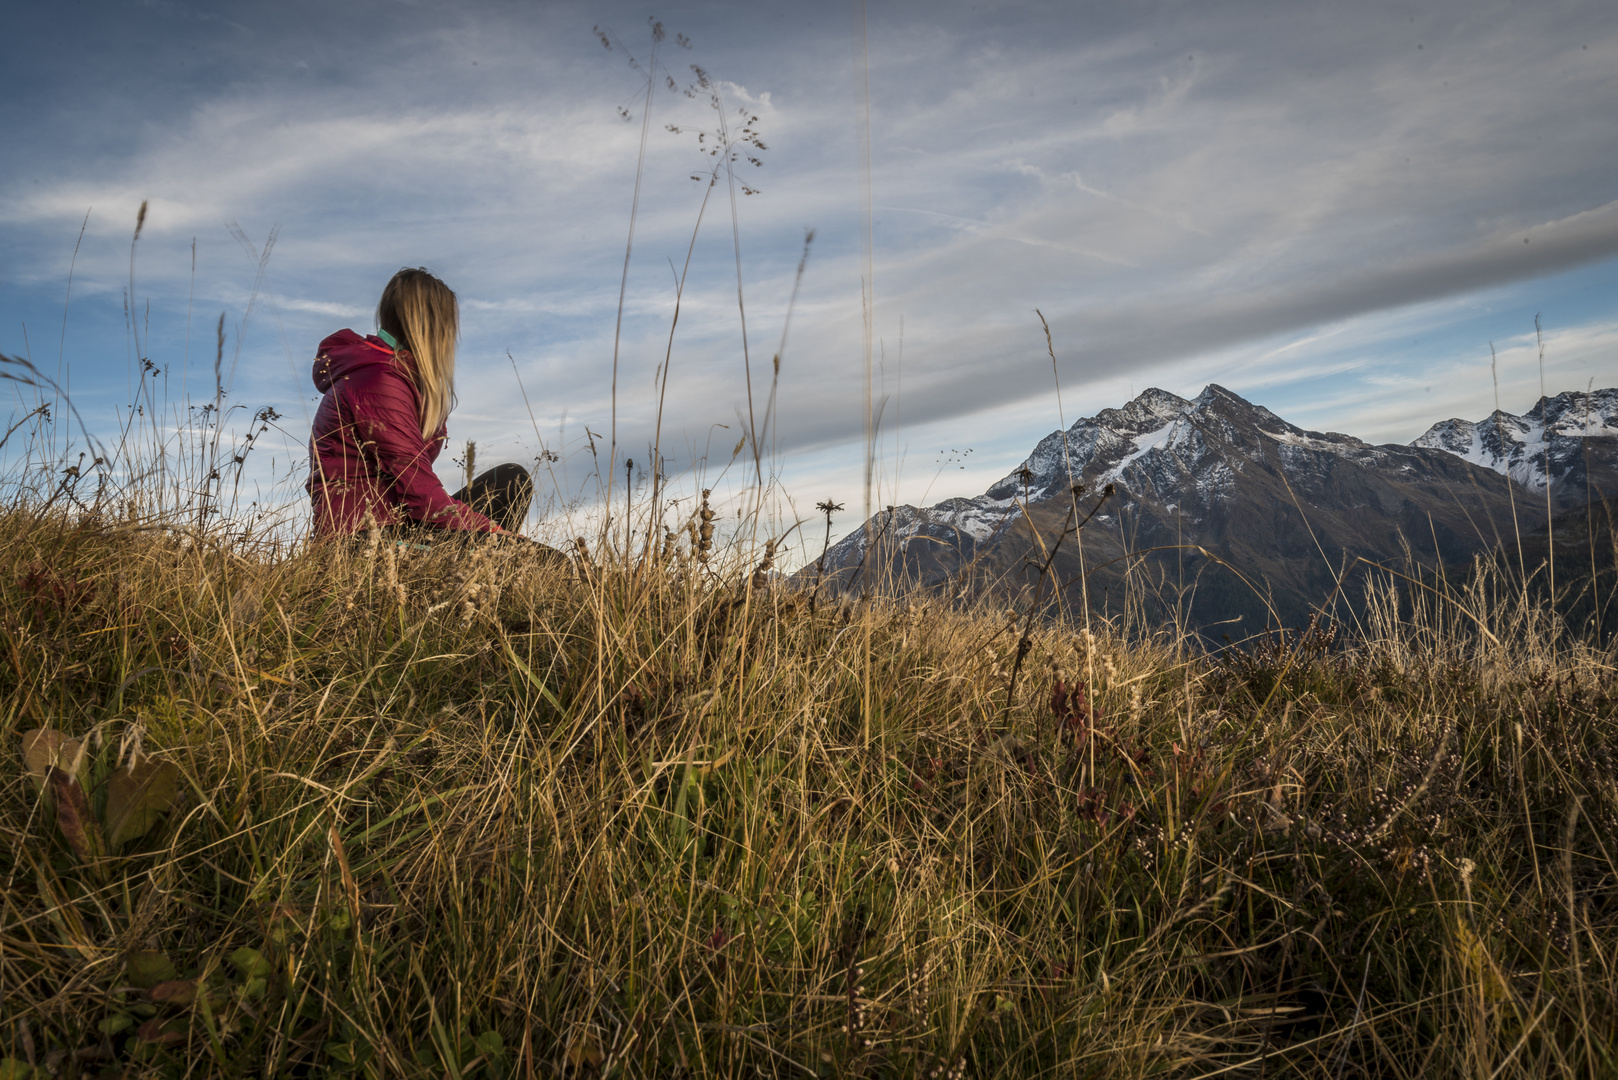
column 1219, row 478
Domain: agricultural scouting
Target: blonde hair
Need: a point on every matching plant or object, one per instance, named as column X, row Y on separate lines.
column 422, row 314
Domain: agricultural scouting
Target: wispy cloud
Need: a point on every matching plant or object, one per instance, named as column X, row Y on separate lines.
column 1252, row 194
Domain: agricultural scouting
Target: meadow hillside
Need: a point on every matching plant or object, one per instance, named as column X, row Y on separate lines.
column 352, row 809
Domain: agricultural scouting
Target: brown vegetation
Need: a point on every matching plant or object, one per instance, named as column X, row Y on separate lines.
column 459, row 813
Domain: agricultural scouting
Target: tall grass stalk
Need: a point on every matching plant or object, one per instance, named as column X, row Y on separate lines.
column 650, row 72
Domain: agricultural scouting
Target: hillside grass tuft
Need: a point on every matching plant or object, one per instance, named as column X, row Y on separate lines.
column 475, row 813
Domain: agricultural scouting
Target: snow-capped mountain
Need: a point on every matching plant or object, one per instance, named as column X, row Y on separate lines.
column 1183, row 453
column 1556, row 432
column 1225, row 491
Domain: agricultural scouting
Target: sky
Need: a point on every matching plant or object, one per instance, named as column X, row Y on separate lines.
column 1348, row 213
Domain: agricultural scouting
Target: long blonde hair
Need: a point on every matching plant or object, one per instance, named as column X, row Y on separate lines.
column 422, row 314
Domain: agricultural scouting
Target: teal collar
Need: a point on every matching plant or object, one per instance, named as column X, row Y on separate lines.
column 389, row 338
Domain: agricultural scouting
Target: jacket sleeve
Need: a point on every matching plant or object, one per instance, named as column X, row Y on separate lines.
column 382, row 409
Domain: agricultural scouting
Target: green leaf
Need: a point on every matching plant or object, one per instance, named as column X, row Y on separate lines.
column 12, row 1069
column 251, row 963
column 490, row 1043
column 115, row 1023
column 534, row 680
column 74, row 818
column 137, row 795
column 146, row 968
column 45, row 748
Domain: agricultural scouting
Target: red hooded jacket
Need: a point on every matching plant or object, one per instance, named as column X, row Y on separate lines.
column 366, row 454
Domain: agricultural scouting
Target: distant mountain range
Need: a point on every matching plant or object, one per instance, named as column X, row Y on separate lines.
column 1576, row 429
column 1228, row 516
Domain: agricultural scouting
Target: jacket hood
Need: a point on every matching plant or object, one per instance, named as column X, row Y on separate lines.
column 345, row 352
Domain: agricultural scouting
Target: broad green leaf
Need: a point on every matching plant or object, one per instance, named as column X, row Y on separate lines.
column 12, row 1069
column 251, row 963
column 115, row 1023
column 137, row 795
column 74, row 818
column 490, row 1043
column 146, row 968
column 45, row 748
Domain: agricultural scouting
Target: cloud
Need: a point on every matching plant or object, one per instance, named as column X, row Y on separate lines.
column 1253, row 186
column 321, row 307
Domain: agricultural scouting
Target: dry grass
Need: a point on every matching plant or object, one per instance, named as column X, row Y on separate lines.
column 457, row 814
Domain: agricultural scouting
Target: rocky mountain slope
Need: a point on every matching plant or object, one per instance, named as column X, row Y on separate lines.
column 1224, row 514
column 1571, row 438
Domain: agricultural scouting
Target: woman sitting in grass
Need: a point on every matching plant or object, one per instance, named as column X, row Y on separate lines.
column 381, row 425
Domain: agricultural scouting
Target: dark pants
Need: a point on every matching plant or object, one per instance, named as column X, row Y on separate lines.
column 502, row 495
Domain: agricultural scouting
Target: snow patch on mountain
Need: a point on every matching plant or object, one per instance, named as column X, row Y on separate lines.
column 1144, row 444
column 1552, row 434
column 1190, row 456
column 1332, row 443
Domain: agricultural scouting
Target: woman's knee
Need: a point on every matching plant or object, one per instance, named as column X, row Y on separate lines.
column 511, row 476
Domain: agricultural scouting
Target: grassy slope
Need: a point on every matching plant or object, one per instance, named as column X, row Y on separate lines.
column 470, row 816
